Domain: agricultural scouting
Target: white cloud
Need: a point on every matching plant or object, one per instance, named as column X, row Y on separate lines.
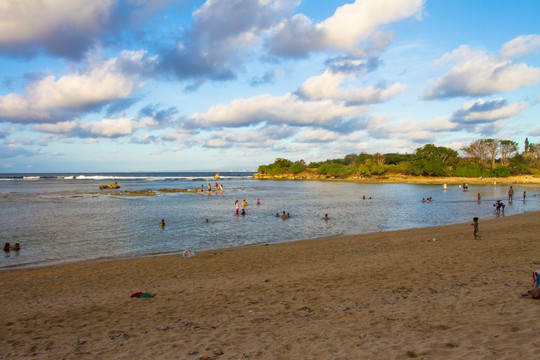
column 110, row 127
column 353, row 22
column 54, row 99
column 482, row 111
column 106, row 128
column 286, row 109
column 329, row 86
column 348, row 28
column 64, row 127
column 521, row 45
column 477, row 73
column 30, row 20
column 317, row 136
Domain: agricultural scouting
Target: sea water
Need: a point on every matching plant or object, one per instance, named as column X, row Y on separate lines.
column 60, row 218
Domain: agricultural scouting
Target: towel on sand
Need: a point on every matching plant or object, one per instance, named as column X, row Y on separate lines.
column 142, row 295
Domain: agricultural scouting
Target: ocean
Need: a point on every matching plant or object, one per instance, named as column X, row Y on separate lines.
column 59, row 218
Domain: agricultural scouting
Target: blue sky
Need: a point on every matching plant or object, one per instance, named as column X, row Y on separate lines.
column 160, row 85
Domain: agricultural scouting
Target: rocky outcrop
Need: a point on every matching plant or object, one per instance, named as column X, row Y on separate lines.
column 109, row 186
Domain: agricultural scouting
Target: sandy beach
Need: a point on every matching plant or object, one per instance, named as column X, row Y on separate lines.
column 431, row 293
column 408, row 179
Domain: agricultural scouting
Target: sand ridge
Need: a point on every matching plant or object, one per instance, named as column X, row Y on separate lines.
column 390, row 295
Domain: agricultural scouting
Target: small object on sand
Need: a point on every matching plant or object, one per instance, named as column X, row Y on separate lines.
column 142, row 295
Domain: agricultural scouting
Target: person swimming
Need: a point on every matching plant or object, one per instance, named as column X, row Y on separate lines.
column 7, row 247
column 326, row 217
column 162, row 222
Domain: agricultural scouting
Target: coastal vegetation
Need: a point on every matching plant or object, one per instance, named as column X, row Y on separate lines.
column 481, row 158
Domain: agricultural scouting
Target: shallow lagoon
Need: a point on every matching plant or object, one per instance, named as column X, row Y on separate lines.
column 62, row 219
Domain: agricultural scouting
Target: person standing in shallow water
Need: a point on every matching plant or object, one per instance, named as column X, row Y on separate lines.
column 510, row 194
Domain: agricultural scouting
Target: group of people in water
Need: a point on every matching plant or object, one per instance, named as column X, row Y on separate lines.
column 243, row 204
column 8, row 247
column 498, row 207
column 218, row 188
column 429, row 199
column 284, row 215
column 511, row 194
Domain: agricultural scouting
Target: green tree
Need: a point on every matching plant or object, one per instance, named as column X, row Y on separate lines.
column 434, row 161
column 362, row 157
column 349, row 159
column 297, row 167
column 335, row 169
column 394, row 159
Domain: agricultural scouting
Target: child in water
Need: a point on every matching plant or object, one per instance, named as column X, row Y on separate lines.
column 475, row 224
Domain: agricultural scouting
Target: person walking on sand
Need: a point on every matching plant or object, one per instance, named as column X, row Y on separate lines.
column 475, row 224
column 510, row 194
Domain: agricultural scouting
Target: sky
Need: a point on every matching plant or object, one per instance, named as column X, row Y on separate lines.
column 228, row 85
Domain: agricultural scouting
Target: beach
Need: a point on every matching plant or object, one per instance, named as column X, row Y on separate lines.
column 428, row 293
column 407, row 179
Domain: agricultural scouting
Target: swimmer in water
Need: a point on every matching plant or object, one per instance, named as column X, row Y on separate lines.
column 162, row 222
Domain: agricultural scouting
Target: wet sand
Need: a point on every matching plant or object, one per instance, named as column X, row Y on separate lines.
column 390, row 295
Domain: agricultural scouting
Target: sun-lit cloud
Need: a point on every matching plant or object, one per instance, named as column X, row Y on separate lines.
column 105, row 128
column 250, row 79
column 222, row 32
column 51, row 99
column 285, row 109
column 477, row 73
column 348, row 29
column 329, row 85
column 71, row 28
column 521, row 46
column 317, row 136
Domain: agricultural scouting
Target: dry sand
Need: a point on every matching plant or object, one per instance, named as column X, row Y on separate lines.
column 390, row 295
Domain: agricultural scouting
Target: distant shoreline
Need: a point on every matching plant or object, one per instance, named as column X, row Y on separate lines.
column 407, row 179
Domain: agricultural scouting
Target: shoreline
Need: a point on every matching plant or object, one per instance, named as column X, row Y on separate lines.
column 396, row 294
column 179, row 252
column 407, row 179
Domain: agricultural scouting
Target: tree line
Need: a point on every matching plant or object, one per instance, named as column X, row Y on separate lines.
column 483, row 157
